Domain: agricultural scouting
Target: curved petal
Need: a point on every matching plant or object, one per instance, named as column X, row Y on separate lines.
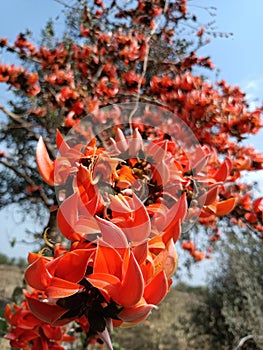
column 72, row 265
column 107, row 260
column 112, row 234
column 46, row 312
column 121, row 140
column 210, row 196
column 109, row 285
column 225, row 207
column 62, row 145
column 37, row 275
column 25, row 319
column 67, row 217
column 258, row 205
column 202, row 154
column 222, row 173
column 135, row 314
column 60, row 288
column 135, row 143
column 54, row 333
column 132, row 284
column 131, row 216
column 157, row 289
column 176, row 213
column 44, row 163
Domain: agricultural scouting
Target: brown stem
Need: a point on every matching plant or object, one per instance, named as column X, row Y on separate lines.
column 27, row 179
column 18, row 119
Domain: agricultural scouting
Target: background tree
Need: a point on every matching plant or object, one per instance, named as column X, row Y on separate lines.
column 143, row 52
column 232, row 308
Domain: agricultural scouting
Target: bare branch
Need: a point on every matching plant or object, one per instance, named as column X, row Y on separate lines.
column 145, row 65
column 243, row 340
column 27, row 179
column 18, row 119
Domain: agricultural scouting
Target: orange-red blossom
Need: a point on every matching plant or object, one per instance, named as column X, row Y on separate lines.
column 123, row 217
column 26, row 331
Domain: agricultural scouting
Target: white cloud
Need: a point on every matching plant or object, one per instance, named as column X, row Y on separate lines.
column 254, row 92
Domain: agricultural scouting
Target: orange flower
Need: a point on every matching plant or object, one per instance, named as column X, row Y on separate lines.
column 28, row 332
column 118, row 277
column 60, row 276
column 123, row 217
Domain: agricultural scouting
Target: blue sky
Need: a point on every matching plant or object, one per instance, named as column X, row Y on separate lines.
column 239, row 59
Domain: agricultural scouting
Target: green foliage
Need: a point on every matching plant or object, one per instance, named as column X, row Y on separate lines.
column 5, row 260
column 233, row 304
column 3, row 325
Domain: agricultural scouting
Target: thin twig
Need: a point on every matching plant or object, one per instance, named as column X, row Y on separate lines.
column 243, row 340
column 145, row 65
column 27, row 179
column 18, row 119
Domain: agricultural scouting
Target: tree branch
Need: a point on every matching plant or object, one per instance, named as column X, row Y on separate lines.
column 243, row 340
column 18, row 119
column 27, row 179
column 145, row 64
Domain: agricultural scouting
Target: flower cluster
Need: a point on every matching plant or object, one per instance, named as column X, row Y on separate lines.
column 26, row 328
column 20, row 78
column 121, row 208
column 125, row 196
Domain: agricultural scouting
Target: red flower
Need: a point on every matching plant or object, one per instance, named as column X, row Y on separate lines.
column 125, row 212
column 59, row 277
column 28, row 332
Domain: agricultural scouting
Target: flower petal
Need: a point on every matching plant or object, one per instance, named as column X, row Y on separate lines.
column 225, row 207
column 44, row 163
column 60, row 288
column 135, row 314
column 107, row 260
column 112, row 234
column 37, row 275
column 157, row 289
column 62, row 145
column 46, row 312
column 67, row 217
column 72, row 265
column 222, row 173
column 133, row 283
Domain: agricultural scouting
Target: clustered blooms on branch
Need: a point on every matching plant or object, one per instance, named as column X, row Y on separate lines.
column 121, row 208
column 74, row 79
column 28, row 329
column 122, row 205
